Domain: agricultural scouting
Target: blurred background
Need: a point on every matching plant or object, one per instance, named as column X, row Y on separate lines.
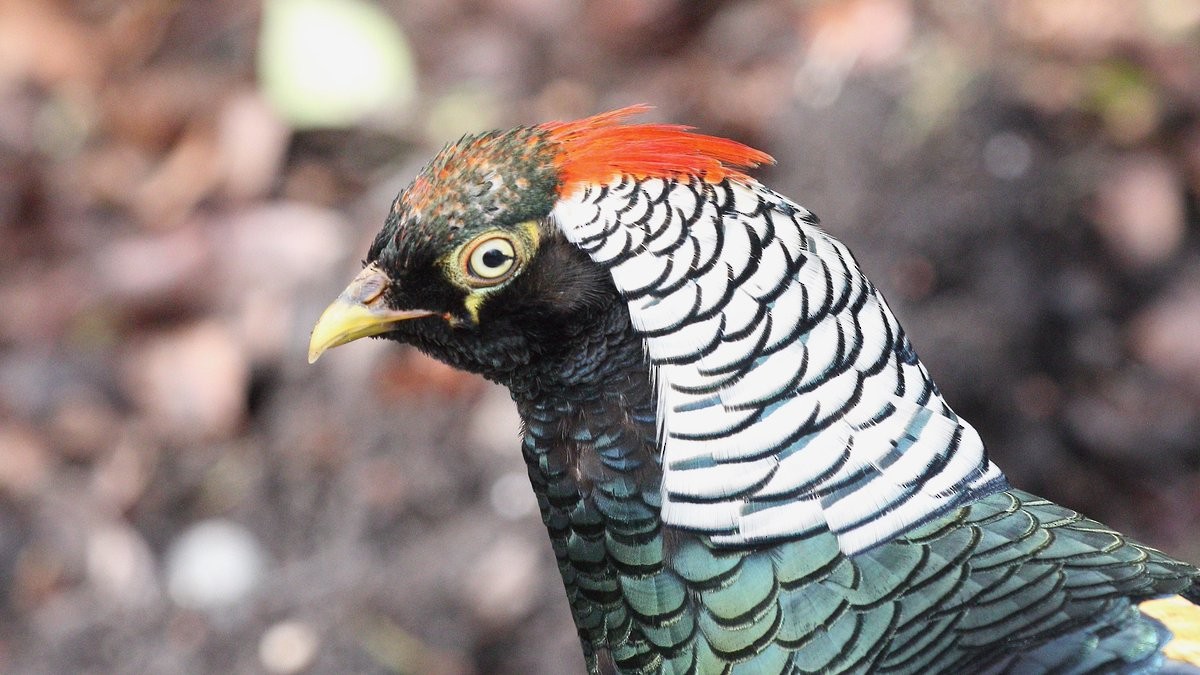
column 185, row 185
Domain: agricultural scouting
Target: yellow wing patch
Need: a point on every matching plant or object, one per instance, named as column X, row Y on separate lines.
column 1183, row 619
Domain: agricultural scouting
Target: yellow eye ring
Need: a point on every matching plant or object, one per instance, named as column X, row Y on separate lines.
column 491, row 260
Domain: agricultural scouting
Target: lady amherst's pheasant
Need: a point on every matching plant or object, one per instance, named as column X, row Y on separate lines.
column 742, row 464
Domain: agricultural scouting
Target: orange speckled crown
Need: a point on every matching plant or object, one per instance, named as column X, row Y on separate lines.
column 517, row 174
column 596, row 148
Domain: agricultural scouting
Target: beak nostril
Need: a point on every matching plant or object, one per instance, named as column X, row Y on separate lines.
column 373, row 289
column 368, row 287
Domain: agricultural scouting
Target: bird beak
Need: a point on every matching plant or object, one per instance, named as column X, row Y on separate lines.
column 358, row 312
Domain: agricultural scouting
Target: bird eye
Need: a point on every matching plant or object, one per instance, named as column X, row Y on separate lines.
column 491, row 260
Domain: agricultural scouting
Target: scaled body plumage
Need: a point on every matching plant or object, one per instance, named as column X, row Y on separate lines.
column 742, row 464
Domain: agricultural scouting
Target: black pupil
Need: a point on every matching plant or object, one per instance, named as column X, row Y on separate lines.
column 494, row 258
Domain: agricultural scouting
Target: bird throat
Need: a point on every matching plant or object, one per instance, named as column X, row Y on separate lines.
column 591, row 452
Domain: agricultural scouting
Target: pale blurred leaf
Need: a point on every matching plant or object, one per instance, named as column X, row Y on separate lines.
column 328, row 63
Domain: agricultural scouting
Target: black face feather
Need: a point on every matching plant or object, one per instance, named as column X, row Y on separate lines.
column 539, row 332
column 541, row 328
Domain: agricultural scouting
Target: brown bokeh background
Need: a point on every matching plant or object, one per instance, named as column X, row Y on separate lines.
column 1021, row 178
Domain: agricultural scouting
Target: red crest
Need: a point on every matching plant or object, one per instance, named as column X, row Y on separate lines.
column 595, row 148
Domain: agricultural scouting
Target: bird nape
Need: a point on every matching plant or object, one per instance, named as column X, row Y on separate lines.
column 741, row 462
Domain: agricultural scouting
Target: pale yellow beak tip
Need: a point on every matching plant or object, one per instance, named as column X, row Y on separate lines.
column 314, row 353
column 342, row 321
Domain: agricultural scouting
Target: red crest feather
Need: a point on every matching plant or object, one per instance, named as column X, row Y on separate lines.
column 595, row 148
